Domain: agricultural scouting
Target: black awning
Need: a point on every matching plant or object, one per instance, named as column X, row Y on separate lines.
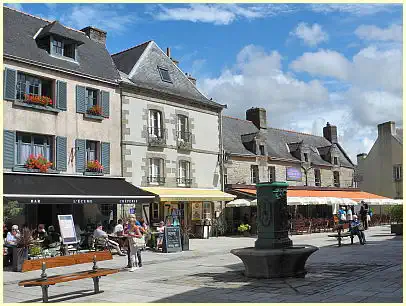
column 59, row 189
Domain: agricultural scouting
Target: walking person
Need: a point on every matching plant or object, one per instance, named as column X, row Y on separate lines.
column 135, row 235
column 364, row 213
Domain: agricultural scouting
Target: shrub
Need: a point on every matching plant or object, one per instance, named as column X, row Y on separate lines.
column 396, row 213
column 244, row 227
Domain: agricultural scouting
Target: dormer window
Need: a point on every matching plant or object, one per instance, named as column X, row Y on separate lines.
column 57, row 47
column 164, row 73
column 335, row 160
column 63, row 49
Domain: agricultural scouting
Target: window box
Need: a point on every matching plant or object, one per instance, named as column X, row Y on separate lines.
column 184, row 140
column 158, row 180
column 156, row 137
column 94, row 166
column 20, row 168
column 94, row 117
column 93, row 173
column 37, row 106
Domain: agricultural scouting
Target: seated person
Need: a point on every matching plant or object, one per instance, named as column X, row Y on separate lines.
column 99, row 233
column 11, row 238
column 355, row 229
column 40, row 232
column 119, row 229
column 160, row 239
column 53, row 239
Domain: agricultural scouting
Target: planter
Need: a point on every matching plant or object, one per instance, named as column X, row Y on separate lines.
column 19, row 256
column 93, row 173
column 396, row 229
column 94, row 117
column 246, row 234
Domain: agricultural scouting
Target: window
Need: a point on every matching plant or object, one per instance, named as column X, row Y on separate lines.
column 225, row 176
column 155, row 123
column 164, row 73
column 184, row 173
column 317, row 177
column 69, row 50
column 271, row 174
column 183, row 128
column 31, row 85
column 254, row 174
column 335, row 160
column 306, row 157
column 57, row 47
column 156, row 166
column 91, row 97
column 155, row 209
column 92, row 152
column 336, row 178
column 397, row 172
column 27, row 144
column 262, row 150
column 206, row 210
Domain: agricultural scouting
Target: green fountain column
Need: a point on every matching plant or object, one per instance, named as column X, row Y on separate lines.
column 272, row 216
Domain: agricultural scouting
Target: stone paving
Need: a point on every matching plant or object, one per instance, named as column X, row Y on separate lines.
column 209, row 273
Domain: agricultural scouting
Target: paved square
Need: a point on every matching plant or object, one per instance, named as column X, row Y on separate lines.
column 209, row 273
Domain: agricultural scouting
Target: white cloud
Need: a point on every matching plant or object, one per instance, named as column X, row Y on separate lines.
column 311, row 35
column 371, row 32
column 218, row 14
column 353, row 9
column 107, row 17
column 17, row 6
column 323, row 63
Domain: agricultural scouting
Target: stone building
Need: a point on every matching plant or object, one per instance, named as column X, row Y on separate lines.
column 380, row 171
column 61, row 101
column 254, row 152
column 170, row 136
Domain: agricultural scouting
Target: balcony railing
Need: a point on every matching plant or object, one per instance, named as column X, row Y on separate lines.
column 160, row 180
column 184, row 140
column 183, row 181
column 156, row 136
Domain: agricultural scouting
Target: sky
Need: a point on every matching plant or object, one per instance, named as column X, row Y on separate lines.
column 306, row 64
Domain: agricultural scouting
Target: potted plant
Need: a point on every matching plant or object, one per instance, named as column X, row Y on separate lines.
column 94, row 166
column 396, row 215
column 39, row 163
column 38, row 100
column 186, row 230
column 244, row 229
column 95, row 110
column 20, row 252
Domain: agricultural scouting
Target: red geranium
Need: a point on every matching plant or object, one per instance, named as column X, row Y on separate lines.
column 94, row 166
column 39, row 100
column 38, row 162
column 95, row 110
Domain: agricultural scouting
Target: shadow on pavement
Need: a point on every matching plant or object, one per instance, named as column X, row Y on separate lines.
column 64, row 296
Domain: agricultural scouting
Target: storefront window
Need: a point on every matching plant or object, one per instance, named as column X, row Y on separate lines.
column 207, row 210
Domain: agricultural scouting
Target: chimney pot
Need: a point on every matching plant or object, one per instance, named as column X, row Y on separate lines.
column 257, row 116
column 387, row 128
column 330, row 133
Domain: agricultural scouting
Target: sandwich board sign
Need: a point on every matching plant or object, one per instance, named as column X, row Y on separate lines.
column 67, row 227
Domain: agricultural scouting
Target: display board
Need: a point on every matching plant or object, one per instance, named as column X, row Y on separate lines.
column 172, row 241
column 293, row 174
column 67, row 228
column 196, row 211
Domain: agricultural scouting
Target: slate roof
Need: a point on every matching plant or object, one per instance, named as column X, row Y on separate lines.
column 20, row 28
column 146, row 58
column 277, row 142
column 55, row 28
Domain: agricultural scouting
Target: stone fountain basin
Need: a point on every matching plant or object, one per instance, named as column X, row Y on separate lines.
column 275, row 263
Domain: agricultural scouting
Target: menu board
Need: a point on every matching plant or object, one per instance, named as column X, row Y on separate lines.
column 172, row 242
column 67, row 227
column 196, row 211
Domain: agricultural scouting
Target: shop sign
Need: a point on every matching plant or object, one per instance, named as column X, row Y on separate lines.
column 293, row 174
column 82, row 201
column 132, row 211
column 196, row 211
column 36, row 201
column 172, row 241
column 128, row 201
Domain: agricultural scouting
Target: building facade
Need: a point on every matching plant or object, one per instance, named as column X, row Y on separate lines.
column 380, row 171
column 61, row 101
column 170, row 136
column 256, row 153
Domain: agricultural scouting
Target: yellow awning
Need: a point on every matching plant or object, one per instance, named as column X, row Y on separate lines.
column 189, row 194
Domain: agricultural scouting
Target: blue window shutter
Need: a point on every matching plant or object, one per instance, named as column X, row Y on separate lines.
column 10, row 81
column 105, row 156
column 9, row 138
column 80, row 99
column 61, row 95
column 80, row 147
column 105, row 96
column 61, row 153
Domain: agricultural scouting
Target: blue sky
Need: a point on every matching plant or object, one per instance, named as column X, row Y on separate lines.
column 305, row 63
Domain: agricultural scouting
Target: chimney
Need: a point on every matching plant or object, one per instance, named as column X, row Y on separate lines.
column 386, row 129
column 168, row 53
column 330, row 133
column 191, row 79
column 95, row 34
column 257, row 116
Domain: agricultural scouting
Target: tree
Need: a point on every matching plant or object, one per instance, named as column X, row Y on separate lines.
column 11, row 209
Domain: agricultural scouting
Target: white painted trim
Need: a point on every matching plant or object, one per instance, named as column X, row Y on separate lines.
column 74, row 196
column 137, row 64
column 36, row 34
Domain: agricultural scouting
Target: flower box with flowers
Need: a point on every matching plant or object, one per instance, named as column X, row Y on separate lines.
column 38, row 163
column 38, row 100
column 94, row 168
column 94, row 112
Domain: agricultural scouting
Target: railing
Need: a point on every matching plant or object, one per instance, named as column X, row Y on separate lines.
column 184, row 139
column 156, row 136
column 184, row 181
column 156, row 180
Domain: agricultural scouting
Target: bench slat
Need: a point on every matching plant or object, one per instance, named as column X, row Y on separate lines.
column 52, row 280
column 62, row 261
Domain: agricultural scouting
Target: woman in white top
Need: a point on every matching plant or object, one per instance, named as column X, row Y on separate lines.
column 349, row 214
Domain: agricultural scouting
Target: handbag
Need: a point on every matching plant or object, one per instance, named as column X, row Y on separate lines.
column 139, row 242
column 360, row 227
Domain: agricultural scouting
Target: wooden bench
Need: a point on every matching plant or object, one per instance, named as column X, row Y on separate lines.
column 341, row 235
column 61, row 261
